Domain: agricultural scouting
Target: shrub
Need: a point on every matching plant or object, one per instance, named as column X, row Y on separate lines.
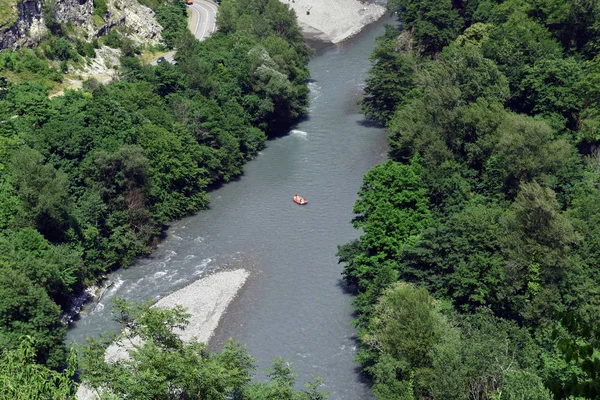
column 100, row 8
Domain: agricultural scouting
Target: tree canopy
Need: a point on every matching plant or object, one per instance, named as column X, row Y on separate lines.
column 89, row 180
column 157, row 364
column 462, row 289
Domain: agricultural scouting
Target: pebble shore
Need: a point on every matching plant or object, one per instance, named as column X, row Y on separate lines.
column 334, row 20
column 205, row 300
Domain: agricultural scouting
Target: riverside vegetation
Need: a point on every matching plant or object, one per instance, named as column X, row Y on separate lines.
column 476, row 275
column 88, row 181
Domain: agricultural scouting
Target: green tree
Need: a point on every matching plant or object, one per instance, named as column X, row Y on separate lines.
column 227, row 16
column 517, row 43
column 390, row 77
column 523, row 385
column 436, row 23
column 538, row 249
column 497, row 359
column 439, row 122
column 524, row 149
column 589, row 118
column 43, row 191
column 177, row 182
column 392, row 209
column 120, row 181
column 573, row 23
column 26, row 309
column 56, row 268
column 462, row 258
column 173, row 18
column 9, row 203
column 551, row 88
column 580, row 348
column 160, row 365
column 404, row 329
column 22, row 378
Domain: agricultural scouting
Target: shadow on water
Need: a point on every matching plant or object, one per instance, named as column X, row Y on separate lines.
column 352, row 291
column 346, row 288
column 369, row 124
column 285, row 131
column 319, row 47
column 363, row 377
column 219, row 184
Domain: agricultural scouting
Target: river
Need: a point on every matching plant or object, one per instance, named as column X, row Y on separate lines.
column 294, row 304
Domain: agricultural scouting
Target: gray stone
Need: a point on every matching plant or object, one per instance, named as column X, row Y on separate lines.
column 138, row 22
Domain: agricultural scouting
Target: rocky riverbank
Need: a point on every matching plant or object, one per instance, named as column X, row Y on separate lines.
column 335, row 20
column 205, row 299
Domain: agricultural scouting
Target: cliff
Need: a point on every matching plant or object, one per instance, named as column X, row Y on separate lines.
column 25, row 22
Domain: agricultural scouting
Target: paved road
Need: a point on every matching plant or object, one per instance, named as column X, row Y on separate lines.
column 202, row 22
column 204, row 17
column 167, row 56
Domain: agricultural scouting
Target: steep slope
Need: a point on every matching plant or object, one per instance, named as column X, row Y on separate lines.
column 24, row 23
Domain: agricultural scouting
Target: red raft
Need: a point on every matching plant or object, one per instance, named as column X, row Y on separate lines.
column 299, row 199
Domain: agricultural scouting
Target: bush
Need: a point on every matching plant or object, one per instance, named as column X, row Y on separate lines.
column 85, row 49
column 113, row 39
column 60, row 49
column 91, row 84
column 100, row 8
column 27, row 61
column 9, row 14
column 173, row 19
column 98, row 21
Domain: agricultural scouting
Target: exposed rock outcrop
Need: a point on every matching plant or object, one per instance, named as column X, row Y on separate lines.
column 139, row 20
column 31, row 26
column 77, row 12
column 28, row 29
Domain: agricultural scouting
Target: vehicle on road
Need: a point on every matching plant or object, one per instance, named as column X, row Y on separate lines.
column 189, row 2
column 160, row 59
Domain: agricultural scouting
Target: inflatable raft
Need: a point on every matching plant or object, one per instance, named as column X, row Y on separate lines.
column 299, row 199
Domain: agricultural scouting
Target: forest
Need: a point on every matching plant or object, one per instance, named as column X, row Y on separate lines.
column 476, row 273
column 90, row 180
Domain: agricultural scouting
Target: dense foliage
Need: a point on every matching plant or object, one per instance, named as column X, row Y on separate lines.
column 172, row 16
column 161, row 366
column 22, row 378
column 88, row 180
column 476, row 272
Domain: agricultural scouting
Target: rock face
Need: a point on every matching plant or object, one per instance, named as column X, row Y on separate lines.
column 30, row 27
column 78, row 12
column 138, row 19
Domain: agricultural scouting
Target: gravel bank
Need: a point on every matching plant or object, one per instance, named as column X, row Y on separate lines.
column 205, row 299
column 334, row 20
